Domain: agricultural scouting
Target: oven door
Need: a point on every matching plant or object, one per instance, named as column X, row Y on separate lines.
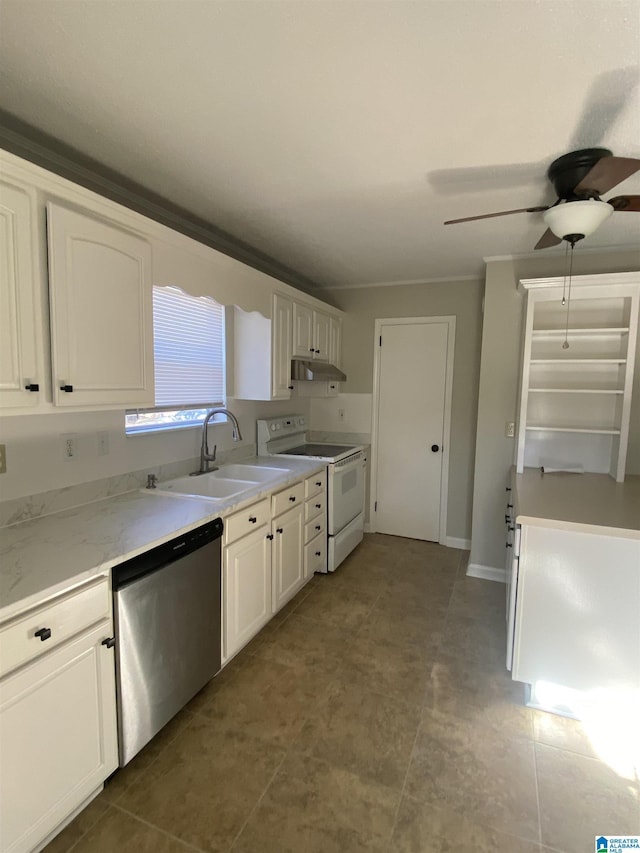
column 346, row 492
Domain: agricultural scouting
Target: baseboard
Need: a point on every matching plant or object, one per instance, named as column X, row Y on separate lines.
column 489, row 573
column 455, row 542
column 367, row 528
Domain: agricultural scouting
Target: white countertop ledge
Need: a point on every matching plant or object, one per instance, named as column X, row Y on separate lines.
column 589, row 503
column 46, row 556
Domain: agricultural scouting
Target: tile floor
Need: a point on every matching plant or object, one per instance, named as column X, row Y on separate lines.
column 373, row 714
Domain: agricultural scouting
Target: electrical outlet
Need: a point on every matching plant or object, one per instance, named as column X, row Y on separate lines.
column 340, row 414
column 510, row 429
column 3, row 458
column 103, row 443
column 69, row 446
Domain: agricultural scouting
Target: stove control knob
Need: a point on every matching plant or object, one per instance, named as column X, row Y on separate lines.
column 278, row 426
column 273, row 427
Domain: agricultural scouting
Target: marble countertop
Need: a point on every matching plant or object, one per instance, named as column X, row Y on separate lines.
column 45, row 556
column 588, row 502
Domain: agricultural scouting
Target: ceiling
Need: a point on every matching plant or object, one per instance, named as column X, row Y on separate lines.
column 336, row 136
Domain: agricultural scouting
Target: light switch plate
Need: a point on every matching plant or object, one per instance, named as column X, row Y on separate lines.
column 510, row 429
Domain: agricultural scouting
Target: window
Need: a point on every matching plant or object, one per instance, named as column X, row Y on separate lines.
column 188, row 345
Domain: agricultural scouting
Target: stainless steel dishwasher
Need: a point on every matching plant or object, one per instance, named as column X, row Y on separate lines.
column 167, row 607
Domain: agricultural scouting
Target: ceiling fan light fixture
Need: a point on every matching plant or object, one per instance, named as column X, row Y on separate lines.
column 577, row 218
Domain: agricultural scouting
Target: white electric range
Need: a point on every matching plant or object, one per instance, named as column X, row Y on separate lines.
column 286, row 436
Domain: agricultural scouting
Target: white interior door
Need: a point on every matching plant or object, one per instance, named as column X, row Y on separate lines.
column 412, row 424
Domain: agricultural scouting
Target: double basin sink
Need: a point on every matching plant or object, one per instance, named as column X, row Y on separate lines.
column 226, row 482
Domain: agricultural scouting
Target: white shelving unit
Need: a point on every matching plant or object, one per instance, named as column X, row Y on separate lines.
column 575, row 403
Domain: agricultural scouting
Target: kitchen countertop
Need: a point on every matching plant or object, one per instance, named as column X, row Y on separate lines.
column 45, row 556
column 591, row 503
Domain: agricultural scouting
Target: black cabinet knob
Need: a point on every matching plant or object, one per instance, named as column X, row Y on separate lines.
column 435, row 448
column 32, row 386
column 253, row 519
column 509, row 545
column 318, row 553
column 279, row 530
column 311, row 349
column 109, row 642
column 508, row 488
column 67, row 388
column 318, row 351
column 318, row 484
column 292, row 499
column 269, row 535
column 290, row 387
column 43, row 633
column 318, row 526
column 318, row 506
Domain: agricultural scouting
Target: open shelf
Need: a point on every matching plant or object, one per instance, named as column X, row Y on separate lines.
column 588, row 431
column 575, row 400
column 592, row 332
column 576, row 391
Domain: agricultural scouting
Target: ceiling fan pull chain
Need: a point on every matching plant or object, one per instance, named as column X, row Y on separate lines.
column 565, row 345
column 564, row 283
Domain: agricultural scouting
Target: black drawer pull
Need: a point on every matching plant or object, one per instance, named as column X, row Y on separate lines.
column 109, row 642
column 43, row 633
column 67, row 388
column 318, row 484
column 32, row 386
column 318, row 526
column 269, row 535
column 318, row 553
column 253, row 519
column 292, row 499
column 279, row 530
column 318, row 506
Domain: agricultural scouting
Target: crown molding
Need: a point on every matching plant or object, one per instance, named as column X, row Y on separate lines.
column 448, row 279
column 24, row 140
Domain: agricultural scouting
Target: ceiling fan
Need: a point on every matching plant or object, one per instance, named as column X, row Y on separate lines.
column 579, row 179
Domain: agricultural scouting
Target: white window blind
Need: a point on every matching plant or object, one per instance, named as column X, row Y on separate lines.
column 188, row 335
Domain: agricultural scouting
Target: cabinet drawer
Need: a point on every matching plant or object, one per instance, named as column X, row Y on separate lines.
column 284, row 500
column 58, row 620
column 314, row 527
column 315, row 484
column 314, row 506
column 315, row 555
column 246, row 521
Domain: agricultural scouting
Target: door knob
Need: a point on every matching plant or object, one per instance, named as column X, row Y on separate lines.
column 435, row 448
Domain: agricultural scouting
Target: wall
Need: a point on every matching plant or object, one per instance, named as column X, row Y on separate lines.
column 463, row 299
column 499, row 377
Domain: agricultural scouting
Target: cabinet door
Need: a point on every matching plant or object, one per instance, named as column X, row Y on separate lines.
column 101, row 312
column 288, row 568
column 246, row 589
column 321, row 325
column 335, row 341
column 21, row 372
column 281, row 347
column 303, row 331
column 57, row 737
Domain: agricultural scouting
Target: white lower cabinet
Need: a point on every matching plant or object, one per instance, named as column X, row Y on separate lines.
column 58, row 737
column 246, row 589
column 287, row 564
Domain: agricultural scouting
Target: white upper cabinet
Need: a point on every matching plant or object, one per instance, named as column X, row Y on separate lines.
column 101, row 312
column 335, row 341
column 577, row 374
column 302, row 331
column 281, row 347
column 262, row 352
column 21, row 369
column 311, row 333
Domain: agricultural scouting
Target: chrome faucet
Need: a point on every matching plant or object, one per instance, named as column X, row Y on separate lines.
column 205, row 456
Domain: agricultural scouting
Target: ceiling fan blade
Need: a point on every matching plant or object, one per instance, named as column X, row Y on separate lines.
column 547, row 240
column 606, row 174
column 502, row 213
column 630, row 203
